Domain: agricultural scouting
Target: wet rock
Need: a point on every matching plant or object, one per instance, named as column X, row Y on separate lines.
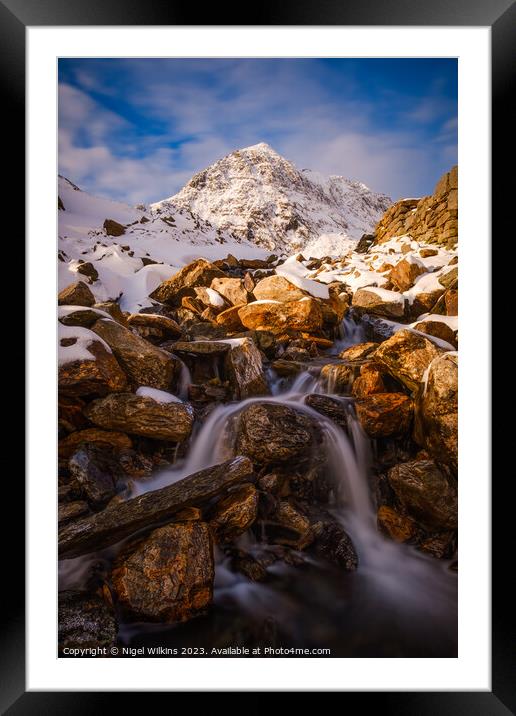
column 197, row 273
column 230, row 319
column 290, row 526
column 272, row 482
column 99, row 376
column 89, row 270
column 272, row 433
column 296, row 353
column 369, row 382
column 232, row 289
column 113, row 228
column 385, row 414
column 144, row 363
column 246, row 564
column 406, row 356
column 234, row 514
column 358, row 352
column 286, row 368
column 427, row 494
column 69, row 510
column 244, row 369
column 331, row 408
column 142, row 415
column 339, row 377
column 84, row 620
column 156, row 325
column 168, row 576
column 339, row 301
column 94, row 473
column 332, row 541
column 303, row 315
column 404, row 274
column 439, row 330
column 442, row 545
column 379, row 302
column 76, row 294
column 436, row 425
column 113, row 439
column 114, row 523
column 277, row 288
column 395, row 525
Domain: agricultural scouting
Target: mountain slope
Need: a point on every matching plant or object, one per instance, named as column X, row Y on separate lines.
column 258, row 195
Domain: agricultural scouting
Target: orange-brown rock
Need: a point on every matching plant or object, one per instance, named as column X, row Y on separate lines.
column 438, row 329
column 163, row 324
column 234, row 514
column 197, row 273
column 168, row 576
column 230, row 319
column 70, row 415
column 426, row 252
column 244, row 368
column 385, row 414
column 192, row 304
column 398, row 527
column 304, row 315
column 295, row 528
column 406, row 356
column 405, row 273
column 232, row 289
column 369, row 382
column 338, row 377
column 359, row 351
column 76, row 294
column 277, row 288
column 451, row 301
column 93, row 435
column 379, row 302
column 99, row 376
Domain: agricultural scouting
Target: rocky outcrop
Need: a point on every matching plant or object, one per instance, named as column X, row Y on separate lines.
column 116, row 522
column 142, row 415
column 197, row 273
column 168, row 576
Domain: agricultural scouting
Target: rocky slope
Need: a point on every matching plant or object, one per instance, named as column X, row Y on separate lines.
column 256, row 194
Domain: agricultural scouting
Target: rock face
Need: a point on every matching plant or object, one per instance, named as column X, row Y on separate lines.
column 304, row 315
column 369, row 382
column 168, row 577
column 234, row 514
column 76, row 294
column 406, row 356
column 436, row 425
column 385, row 414
column 142, row 415
column 244, row 368
column 84, row 620
column 379, row 302
column 433, row 219
column 271, row 433
column 99, row 376
column 144, row 363
column 426, row 493
column 277, row 288
column 198, row 273
column 116, row 522
column 232, row 289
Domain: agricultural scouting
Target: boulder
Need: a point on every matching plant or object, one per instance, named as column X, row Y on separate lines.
column 232, row 289
column 406, row 356
column 332, row 541
column 277, row 288
column 244, row 369
column 423, row 303
column 426, row 252
column 89, row 270
column 272, row 433
column 82, row 317
column 89, row 436
column 379, row 302
column 76, row 294
column 84, row 620
column 303, row 315
column 144, row 363
column 79, row 375
column 211, row 300
column 113, row 309
column 168, row 576
column 436, row 424
column 113, row 228
column 427, row 494
column 369, row 382
column 338, row 377
column 201, row 348
column 162, row 325
column 234, row 514
column 451, row 302
column 119, row 521
column 94, row 473
column 404, row 274
column 230, row 319
column 331, row 408
column 438, row 329
column 450, row 278
column 385, row 414
column 197, row 273
column 290, row 526
column 395, row 525
column 358, row 352
column 142, row 415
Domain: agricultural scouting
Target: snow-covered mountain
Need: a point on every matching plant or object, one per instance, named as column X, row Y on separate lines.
column 257, row 195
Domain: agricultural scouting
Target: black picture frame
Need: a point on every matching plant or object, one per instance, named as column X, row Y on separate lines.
column 500, row 15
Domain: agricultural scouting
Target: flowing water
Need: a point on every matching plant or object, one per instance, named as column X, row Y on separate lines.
column 399, row 602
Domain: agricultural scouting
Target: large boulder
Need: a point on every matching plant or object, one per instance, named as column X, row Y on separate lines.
column 234, row 513
column 379, row 302
column 198, row 273
column 273, row 433
column 279, row 317
column 436, row 424
column 385, row 415
column 427, row 494
column 404, row 274
column 406, row 356
column 277, row 288
column 76, row 294
column 244, row 368
column 168, row 576
column 94, row 473
column 144, row 363
column 86, row 364
column 142, row 415
column 232, row 289
column 84, row 621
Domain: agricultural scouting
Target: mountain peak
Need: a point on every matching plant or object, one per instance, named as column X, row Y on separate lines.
column 261, row 147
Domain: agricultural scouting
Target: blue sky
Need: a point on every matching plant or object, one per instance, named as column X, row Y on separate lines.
column 138, row 129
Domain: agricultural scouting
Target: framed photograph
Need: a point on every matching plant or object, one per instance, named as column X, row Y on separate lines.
column 248, row 434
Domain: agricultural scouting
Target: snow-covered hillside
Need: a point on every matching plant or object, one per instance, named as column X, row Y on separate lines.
column 256, row 194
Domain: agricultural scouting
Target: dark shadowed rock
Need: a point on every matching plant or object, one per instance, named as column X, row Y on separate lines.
column 112, row 439
column 114, row 523
column 332, row 541
column 163, row 325
column 94, row 473
column 89, row 270
column 113, row 228
column 168, row 576
column 332, row 408
column 385, row 414
column 84, row 620
column 70, row 510
column 234, row 514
